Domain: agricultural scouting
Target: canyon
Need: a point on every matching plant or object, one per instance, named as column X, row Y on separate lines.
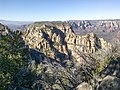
column 69, row 55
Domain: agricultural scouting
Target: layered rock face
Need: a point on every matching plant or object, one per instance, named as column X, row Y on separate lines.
column 95, row 25
column 58, row 41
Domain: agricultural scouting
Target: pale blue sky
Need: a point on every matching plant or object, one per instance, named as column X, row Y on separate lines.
column 50, row 10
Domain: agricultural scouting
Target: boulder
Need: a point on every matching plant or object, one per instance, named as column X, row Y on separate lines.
column 84, row 86
column 109, row 83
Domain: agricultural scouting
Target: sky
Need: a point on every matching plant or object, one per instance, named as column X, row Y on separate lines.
column 59, row 10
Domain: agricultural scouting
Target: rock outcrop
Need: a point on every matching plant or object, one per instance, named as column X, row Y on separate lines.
column 58, row 41
column 3, row 30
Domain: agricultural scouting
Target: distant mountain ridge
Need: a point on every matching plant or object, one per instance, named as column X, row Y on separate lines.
column 83, row 26
column 16, row 25
column 10, row 22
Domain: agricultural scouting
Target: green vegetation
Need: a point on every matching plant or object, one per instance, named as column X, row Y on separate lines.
column 101, row 65
column 13, row 56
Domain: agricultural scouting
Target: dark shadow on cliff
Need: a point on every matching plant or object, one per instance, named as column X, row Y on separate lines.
column 112, row 69
column 59, row 32
column 62, row 57
column 41, row 57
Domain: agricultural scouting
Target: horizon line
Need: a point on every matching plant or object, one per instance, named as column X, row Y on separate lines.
column 57, row 20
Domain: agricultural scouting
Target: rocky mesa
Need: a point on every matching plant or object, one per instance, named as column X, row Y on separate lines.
column 58, row 41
